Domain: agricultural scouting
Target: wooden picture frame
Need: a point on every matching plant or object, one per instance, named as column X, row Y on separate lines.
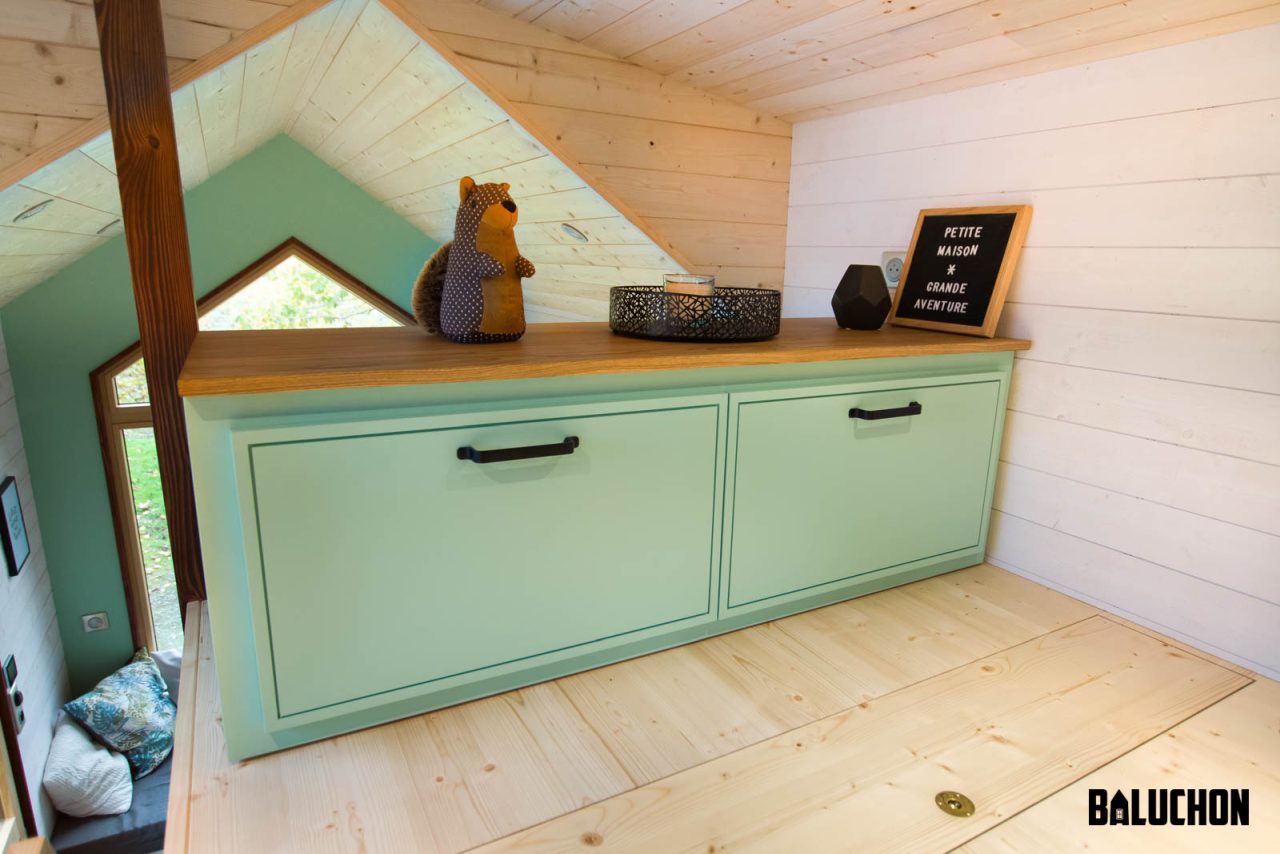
column 13, row 527
column 992, row 284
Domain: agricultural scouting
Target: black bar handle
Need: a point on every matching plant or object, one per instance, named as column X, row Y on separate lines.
column 911, row 408
column 528, row 452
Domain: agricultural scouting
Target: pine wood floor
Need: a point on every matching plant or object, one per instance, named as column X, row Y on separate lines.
column 826, row 731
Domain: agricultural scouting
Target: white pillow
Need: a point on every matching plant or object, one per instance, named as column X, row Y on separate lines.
column 84, row 778
column 169, row 663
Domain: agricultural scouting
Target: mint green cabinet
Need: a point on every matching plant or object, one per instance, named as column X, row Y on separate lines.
column 382, row 565
column 819, row 498
column 358, row 570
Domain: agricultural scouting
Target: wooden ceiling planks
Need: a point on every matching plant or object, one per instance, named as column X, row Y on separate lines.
column 305, row 44
column 399, row 117
column 415, row 154
column 810, row 58
column 803, row 59
column 557, row 77
column 355, row 83
column 51, row 48
column 1059, row 39
column 85, row 212
column 577, row 20
column 264, row 65
column 376, row 44
column 538, row 176
column 69, row 217
column 85, row 209
column 192, row 158
column 181, row 73
column 218, row 98
column 192, row 28
column 80, row 178
column 421, row 15
column 694, row 167
column 803, row 36
column 419, row 79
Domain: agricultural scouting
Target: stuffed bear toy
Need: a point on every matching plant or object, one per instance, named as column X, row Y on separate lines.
column 469, row 290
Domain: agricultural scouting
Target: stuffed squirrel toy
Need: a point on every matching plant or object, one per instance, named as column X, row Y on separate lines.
column 469, row 290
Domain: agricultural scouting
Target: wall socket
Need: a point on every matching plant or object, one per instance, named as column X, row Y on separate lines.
column 892, row 263
column 12, row 694
column 95, row 622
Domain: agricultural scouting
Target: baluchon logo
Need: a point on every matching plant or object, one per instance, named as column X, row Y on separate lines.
column 1169, row 806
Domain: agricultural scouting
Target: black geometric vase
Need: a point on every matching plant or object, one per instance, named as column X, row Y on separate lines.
column 861, row 300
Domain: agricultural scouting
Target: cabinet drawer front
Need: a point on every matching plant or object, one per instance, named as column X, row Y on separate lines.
column 819, row 497
column 388, row 563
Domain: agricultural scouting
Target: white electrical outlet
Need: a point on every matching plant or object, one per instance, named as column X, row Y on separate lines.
column 891, row 263
column 95, row 622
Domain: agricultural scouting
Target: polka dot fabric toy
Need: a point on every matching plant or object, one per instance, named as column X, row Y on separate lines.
column 470, row 289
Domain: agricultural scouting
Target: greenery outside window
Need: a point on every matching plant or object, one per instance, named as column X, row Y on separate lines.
column 291, row 287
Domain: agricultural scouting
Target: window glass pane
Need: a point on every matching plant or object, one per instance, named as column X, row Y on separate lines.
column 294, row 295
column 153, row 536
column 291, row 295
column 131, row 385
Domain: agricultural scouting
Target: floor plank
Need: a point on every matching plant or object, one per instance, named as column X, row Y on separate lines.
column 878, row 644
column 506, row 761
column 175, row 830
column 1182, row 645
column 1233, row 744
column 449, row 780
column 670, row 710
column 1007, row 730
column 470, row 774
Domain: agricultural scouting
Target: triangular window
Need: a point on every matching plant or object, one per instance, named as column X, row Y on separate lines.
column 291, row 287
column 298, row 289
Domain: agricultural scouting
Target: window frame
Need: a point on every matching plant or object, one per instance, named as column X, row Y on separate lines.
column 114, row 418
column 11, row 820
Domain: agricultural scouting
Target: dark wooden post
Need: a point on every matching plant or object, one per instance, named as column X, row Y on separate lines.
column 135, row 68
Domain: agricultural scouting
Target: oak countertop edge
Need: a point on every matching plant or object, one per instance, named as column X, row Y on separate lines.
column 274, row 361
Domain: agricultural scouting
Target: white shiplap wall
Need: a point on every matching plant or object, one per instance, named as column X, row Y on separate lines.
column 28, row 627
column 1141, row 463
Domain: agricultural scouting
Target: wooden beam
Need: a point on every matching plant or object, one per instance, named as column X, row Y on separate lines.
column 136, row 74
column 86, row 131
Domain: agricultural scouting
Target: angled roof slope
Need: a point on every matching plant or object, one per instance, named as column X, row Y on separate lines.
column 805, row 59
column 372, row 92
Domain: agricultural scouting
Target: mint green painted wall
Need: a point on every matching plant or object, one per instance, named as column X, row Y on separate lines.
column 62, row 329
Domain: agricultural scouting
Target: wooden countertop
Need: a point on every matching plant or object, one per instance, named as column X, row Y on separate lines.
column 223, row 363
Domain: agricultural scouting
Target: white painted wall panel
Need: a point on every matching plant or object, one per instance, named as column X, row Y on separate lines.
column 1142, row 84
column 1229, row 282
column 1141, row 468
column 1208, row 212
column 1229, row 353
column 1221, row 420
column 1211, row 616
column 28, row 626
column 1237, row 139
column 1214, row 485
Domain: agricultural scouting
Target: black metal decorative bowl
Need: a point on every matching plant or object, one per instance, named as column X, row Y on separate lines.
column 728, row 314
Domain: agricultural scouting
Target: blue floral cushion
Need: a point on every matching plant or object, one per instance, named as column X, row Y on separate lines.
column 130, row 711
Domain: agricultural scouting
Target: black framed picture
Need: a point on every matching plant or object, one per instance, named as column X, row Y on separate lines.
column 13, row 528
column 959, row 267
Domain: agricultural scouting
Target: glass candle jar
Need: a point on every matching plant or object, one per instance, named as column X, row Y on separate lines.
column 689, row 283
